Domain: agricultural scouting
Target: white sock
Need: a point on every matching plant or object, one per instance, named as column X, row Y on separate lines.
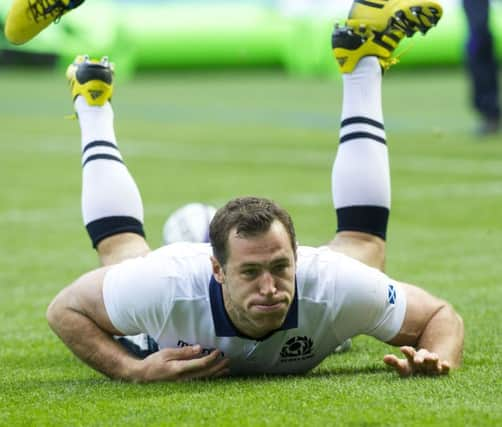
column 111, row 202
column 361, row 176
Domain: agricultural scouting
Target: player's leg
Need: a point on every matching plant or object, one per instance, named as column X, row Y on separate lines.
column 361, row 178
column 482, row 65
column 111, row 203
column 26, row 18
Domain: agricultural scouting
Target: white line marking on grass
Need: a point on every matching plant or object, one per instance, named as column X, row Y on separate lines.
column 449, row 191
column 447, row 166
column 309, row 199
column 433, row 191
column 38, row 215
column 181, row 151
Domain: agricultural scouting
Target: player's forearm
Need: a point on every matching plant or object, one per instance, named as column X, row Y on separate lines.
column 91, row 344
column 444, row 335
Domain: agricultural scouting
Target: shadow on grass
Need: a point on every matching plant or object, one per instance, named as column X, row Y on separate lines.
column 103, row 382
column 349, row 371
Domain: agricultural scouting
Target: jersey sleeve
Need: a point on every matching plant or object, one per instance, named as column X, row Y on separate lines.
column 138, row 296
column 368, row 302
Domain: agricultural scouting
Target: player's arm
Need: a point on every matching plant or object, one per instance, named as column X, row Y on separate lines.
column 431, row 336
column 79, row 317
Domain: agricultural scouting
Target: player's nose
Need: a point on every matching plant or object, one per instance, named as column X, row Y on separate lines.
column 267, row 284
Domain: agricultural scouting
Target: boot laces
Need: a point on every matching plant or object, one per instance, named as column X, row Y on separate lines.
column 421, row 21
column 40, row 9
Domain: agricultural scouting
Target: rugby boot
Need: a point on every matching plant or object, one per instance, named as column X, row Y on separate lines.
column 91, row 79
column 26, row 18
column 375, row 28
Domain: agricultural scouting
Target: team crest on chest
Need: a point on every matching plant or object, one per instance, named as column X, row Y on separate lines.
column 297, row 348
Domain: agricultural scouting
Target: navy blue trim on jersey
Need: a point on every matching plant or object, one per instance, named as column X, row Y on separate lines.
column 224, row 327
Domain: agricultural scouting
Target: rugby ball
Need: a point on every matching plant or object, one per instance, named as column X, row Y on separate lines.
column 189, row 223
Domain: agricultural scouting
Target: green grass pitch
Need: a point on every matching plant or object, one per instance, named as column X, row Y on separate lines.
column 207, row 138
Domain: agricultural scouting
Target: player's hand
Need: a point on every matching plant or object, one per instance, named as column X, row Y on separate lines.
column 421, row 362
column 180, row 364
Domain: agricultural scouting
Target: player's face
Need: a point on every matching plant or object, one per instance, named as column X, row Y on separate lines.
column 258, row 280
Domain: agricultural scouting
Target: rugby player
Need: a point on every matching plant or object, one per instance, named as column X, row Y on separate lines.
column 252, row 301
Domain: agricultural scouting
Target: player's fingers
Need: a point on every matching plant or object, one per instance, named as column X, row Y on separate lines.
column 400, row 365
column 409, row 353
column 445, row 367
column 193, row 366
column 211, row 369
column 418, row 362
column 419, row 357
column 431, row 363
column 218, row 369
column 391, row 360
column 184, row 353
column 427, row 363
column 223, row 373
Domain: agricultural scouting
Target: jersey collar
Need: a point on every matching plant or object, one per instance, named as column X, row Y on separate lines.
column 224, row 327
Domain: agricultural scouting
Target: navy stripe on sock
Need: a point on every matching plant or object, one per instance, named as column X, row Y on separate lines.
column 369, row 3
column 367, row 219
column 359, row 135
column 102, row 156
column 99, row 144
column 362, row 121
column 101, row 228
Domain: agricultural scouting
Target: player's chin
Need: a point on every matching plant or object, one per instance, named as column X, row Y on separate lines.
column 270, row 315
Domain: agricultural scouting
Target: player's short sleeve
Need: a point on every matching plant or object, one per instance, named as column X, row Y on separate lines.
column 368, row 302
column 138, row 296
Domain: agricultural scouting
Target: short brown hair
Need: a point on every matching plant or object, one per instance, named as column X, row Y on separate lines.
column 250, row 216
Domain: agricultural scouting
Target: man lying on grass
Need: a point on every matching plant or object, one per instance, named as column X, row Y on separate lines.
column 252, row 301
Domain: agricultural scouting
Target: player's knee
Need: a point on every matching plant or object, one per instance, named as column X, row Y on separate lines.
column 364, row 247
column 117, row 248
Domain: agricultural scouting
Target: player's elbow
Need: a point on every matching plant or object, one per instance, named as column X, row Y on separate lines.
column 459, row 319
column 450, row 326
column 455, row 318
column 449, row 316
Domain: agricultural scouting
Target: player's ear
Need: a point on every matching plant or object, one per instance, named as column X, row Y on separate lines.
column 218, row 272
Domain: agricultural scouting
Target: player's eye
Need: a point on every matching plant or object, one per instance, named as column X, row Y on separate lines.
column 250, row 273
column 279, row 269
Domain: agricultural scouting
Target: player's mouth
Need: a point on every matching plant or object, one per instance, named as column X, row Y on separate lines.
column 270, row 307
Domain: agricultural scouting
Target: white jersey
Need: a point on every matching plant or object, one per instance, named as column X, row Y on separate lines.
column 170, row 294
